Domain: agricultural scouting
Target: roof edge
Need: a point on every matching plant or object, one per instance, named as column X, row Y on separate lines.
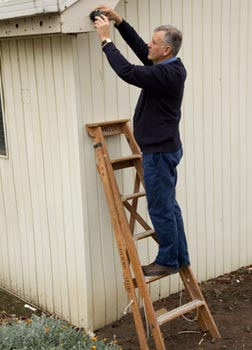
column 16, row 8
column 74, row 19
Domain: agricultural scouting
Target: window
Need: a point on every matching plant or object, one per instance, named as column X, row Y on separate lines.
column 3, row 150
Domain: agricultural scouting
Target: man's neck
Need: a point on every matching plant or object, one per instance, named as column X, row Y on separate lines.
column 166, row 59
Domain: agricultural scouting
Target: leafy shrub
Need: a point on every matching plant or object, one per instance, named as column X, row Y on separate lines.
column 49, row 333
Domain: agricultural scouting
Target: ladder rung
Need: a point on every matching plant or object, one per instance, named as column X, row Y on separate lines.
column 179, row 311
column 124, row 162
column 149, row 279
column 132, row 196
column 144, row 234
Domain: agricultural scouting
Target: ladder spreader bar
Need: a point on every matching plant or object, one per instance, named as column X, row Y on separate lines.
column 179, row 311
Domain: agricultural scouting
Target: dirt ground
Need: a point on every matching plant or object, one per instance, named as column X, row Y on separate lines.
column 229, row 298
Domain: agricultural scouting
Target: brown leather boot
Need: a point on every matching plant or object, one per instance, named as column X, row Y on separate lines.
column 155, row 269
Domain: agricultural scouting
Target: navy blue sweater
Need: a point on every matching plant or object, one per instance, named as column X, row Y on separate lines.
column 158, row 110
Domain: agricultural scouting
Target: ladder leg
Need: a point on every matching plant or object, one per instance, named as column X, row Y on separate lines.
column 134, row 203
column 130, row 289
column 206, row 320
column 129, row 285
column 113, row 195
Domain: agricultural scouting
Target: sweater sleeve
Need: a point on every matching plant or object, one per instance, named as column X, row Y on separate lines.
column 135, row 42
column 154, row 78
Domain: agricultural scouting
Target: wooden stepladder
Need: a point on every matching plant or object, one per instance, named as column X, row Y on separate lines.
column 126, row 238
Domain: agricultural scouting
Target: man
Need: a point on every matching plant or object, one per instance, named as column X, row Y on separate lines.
column 156, row 128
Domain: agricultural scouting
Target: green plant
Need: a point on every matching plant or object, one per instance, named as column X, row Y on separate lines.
column 49, row 333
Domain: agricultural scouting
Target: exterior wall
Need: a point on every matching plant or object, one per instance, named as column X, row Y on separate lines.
column 56, row 245
column 42, row 244
column 215, row 175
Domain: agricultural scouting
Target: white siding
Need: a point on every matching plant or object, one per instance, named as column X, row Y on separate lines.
column 56, row 245
column 41, row 219
column 215, row 176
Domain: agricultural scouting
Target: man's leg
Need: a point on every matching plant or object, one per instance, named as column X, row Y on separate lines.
column 160, row 182
column 183, row 256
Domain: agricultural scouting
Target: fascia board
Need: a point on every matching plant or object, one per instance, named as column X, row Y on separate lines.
column 17, row 8
column 74, row 19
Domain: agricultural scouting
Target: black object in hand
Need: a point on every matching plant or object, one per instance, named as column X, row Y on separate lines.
column 96, row 13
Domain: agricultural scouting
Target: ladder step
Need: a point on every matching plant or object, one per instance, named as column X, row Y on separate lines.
column 124, row 162
column 149, row 279
column 144, row 234
column 179, row 311
column 127, row 197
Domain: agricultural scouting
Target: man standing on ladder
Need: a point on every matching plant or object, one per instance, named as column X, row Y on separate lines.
column 156, row 128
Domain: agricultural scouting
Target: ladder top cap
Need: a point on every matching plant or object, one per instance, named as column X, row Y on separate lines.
column 108, row 123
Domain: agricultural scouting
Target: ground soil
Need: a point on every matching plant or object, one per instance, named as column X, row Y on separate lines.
column 229, row 298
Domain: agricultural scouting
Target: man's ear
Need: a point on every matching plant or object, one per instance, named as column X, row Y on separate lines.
column 167, row 51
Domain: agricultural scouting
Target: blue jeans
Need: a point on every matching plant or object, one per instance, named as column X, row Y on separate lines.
column 160, row 176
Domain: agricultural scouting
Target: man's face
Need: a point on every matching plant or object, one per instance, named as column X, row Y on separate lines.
column 158, row 51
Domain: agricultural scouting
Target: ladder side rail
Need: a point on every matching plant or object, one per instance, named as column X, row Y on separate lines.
column 206, row 320
column 130, row 138
column 135, row 149
column 133, row 256
column 134, row 203
column 129, row 285
column 190, row 289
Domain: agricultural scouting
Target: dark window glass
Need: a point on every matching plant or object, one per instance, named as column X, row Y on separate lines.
column 2, row 136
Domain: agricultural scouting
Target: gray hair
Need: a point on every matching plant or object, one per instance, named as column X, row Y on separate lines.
column 172, row 37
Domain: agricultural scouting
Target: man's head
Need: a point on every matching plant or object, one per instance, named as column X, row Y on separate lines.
column 166, row 42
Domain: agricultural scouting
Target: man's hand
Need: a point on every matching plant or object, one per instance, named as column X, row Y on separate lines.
column 111, row 14
column 102, row 26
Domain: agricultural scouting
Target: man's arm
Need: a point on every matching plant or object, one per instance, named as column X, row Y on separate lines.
column 156, row 77
column 128, row 33
column 135, row 42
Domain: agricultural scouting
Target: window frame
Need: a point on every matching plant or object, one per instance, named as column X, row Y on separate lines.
column 3, row 152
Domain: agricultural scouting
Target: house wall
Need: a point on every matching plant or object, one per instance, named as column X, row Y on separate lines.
column 42, row 243
column 215, row 175
column 56, row 244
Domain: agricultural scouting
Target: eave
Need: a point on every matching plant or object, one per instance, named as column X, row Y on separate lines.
column 69, row 17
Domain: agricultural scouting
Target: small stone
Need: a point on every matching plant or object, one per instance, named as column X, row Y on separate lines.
column 224, row 347
column 213, row 340
column 248, row 329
